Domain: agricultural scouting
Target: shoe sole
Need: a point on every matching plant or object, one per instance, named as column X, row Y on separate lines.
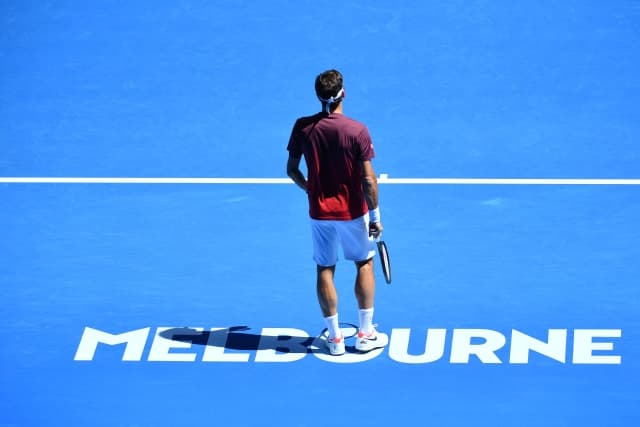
column 367, row 350
column 335, row 354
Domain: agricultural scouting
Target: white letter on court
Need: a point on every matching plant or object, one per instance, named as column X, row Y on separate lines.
column 285, row 338
column 583, row 346
column 433, row 348
column 461, row 347
column 555, row 347
column 135, row 340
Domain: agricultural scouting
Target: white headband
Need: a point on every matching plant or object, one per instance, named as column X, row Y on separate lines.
column 327, row 102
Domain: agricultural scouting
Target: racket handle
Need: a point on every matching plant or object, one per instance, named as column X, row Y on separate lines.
column 375, row 230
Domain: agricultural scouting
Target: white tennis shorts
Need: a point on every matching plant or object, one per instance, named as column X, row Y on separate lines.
column 352, row 235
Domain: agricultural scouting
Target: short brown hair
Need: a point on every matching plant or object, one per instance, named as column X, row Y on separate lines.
column 328, row 85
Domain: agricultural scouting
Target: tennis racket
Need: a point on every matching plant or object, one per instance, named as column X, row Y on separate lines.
column 384, row 259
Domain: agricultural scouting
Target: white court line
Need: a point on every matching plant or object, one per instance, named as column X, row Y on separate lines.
column 119, row 180
column 382, row 180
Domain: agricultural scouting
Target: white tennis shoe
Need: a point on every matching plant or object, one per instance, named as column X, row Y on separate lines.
column 336, row 346
column 370, row 341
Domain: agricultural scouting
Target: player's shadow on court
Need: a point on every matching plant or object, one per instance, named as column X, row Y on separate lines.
column 236, row 338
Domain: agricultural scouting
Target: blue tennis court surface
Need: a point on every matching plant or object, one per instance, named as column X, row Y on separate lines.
column 176, row 305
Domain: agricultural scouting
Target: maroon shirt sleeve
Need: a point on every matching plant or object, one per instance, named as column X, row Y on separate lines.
column 365, row 145
column 294, row 147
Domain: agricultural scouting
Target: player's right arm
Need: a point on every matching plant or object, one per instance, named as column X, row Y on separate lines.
column 370, row 187
column 294, row 172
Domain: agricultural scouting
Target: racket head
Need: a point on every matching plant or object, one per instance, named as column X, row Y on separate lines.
column 385, row 262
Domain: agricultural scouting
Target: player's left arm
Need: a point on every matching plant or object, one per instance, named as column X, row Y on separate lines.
column 294, row 172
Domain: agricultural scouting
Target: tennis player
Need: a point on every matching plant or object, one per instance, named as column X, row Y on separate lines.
column 342, row 190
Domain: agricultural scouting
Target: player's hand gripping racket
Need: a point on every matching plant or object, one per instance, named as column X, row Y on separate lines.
column 383, row 252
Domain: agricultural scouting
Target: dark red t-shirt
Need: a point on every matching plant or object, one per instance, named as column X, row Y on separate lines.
column 333, row 147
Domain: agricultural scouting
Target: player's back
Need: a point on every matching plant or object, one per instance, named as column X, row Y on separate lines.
column 334, row 146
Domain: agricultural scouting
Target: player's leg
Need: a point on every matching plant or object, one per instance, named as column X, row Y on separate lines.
column 359, row 247
column 365, row 288
column 365, row 284
column 325, row 254
column 326, row 289
column 328, row 300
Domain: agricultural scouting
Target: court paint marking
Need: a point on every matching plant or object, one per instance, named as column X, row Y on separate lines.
column 383, row 179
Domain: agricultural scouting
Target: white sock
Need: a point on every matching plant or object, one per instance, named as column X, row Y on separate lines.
column 333, row 326
column 366, row 319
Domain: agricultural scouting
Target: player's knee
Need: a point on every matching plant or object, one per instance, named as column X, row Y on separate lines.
column 368, row 263
column 325, row 269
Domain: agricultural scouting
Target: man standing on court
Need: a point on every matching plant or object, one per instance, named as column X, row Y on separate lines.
column 342, row 190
